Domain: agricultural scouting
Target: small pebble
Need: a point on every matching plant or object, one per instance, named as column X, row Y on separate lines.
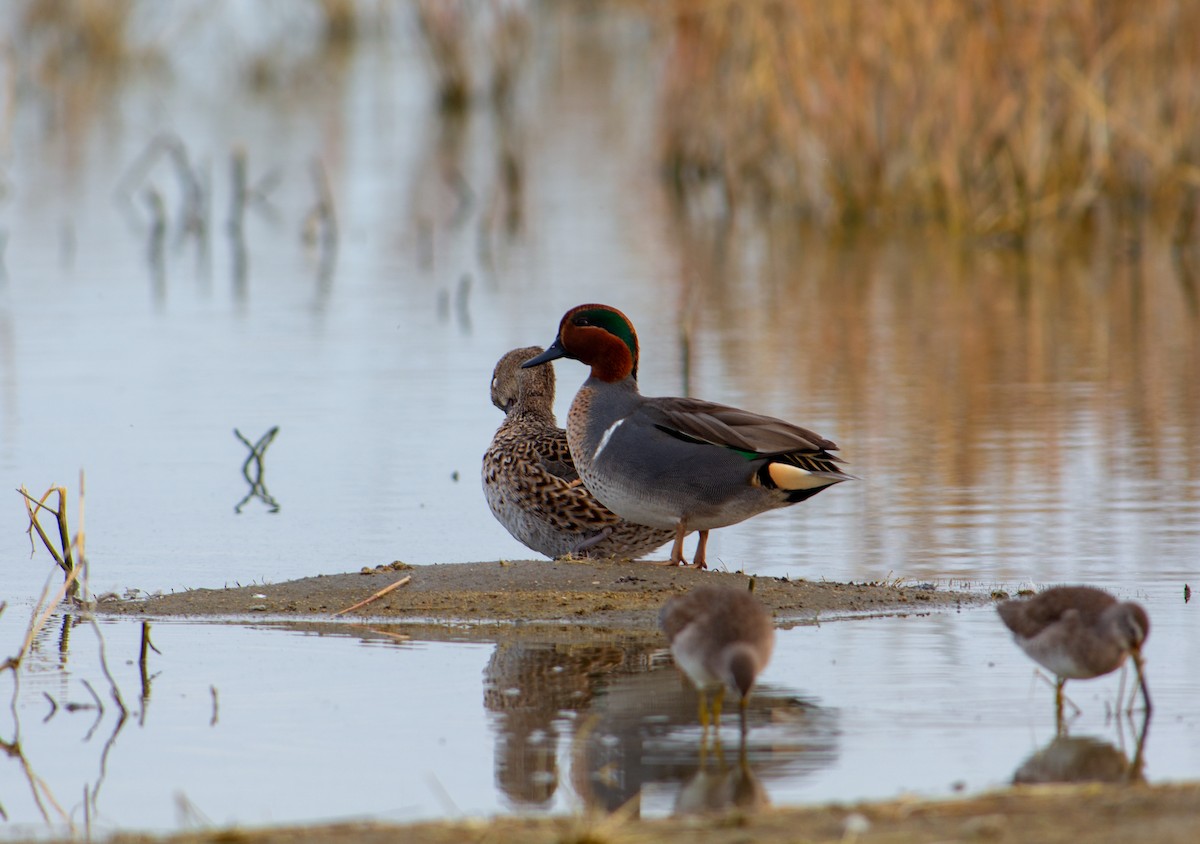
column 855, row 824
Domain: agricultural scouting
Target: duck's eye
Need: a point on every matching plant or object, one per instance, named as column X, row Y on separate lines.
column 582, row 321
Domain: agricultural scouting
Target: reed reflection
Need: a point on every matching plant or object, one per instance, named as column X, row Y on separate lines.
column 252, row 470
column 987, row 394
column 50, row 661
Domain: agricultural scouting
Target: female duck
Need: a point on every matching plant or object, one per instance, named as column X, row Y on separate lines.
column 531, row 484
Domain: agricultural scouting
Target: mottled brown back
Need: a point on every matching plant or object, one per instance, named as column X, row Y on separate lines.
column 729, row 615
column 1027, row 617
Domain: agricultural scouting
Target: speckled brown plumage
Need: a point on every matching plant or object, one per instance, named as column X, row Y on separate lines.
column 530, row 480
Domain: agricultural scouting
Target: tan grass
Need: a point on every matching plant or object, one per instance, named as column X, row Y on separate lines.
column 985, row 117
column 86, row 33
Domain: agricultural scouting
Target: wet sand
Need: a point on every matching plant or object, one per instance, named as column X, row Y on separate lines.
column 589, row 595
column 1060, row 814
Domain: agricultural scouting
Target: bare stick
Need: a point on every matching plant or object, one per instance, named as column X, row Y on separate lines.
column 401, row 582
column 34, row 524
column 64, row 534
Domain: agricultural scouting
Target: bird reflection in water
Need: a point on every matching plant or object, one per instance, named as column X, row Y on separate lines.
column 719, row 786
column 1077, row 759
column 641, row 740
column 534, row 688
column 630, row 721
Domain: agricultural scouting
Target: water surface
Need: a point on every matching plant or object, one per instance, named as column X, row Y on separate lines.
column 1018, row 418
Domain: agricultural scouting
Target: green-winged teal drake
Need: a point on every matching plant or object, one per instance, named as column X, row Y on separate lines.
column 531, row 484
column 720, row 638
column 677, row 463
column 1077, row 633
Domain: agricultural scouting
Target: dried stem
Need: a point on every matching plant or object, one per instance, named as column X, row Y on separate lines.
column 62, row 552
column 385, row 590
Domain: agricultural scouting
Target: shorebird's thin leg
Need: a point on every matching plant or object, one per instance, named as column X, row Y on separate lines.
column 1141, row 674
column 718, row 700
column 1059, row 699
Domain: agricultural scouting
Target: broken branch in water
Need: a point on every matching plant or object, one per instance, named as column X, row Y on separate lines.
column 62, row 552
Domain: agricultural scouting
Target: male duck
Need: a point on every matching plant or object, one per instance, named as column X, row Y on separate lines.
column 676, row 463
column 531, row 484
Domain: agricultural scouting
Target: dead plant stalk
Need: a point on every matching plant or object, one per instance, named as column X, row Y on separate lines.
column 385, row 590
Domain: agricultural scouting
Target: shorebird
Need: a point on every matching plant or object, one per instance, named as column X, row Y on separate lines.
column 1078, row 632
column 721, row 638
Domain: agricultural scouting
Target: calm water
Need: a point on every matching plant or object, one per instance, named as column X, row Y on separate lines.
column 1016, row 420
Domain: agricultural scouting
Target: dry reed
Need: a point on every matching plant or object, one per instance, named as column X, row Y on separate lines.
column 984, row 117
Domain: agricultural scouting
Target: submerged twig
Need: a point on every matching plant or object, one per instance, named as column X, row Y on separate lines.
column 385, row 590
column 53, row 707
column 99, row 706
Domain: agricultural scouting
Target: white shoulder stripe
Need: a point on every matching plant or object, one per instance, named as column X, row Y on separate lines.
column 604, row 439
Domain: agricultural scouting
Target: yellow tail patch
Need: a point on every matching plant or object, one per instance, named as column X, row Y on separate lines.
column 787, row 476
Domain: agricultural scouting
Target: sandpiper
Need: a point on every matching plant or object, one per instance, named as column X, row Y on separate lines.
column 720, row 638
column 1078, row 632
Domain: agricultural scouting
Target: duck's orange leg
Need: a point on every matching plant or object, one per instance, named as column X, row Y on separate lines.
column 677, row 549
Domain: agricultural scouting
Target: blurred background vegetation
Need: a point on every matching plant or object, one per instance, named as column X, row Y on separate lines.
column 985, row 118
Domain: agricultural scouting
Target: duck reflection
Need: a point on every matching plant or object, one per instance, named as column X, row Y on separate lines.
column 1074, row 759
column 534, row 688
column 635, row 726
